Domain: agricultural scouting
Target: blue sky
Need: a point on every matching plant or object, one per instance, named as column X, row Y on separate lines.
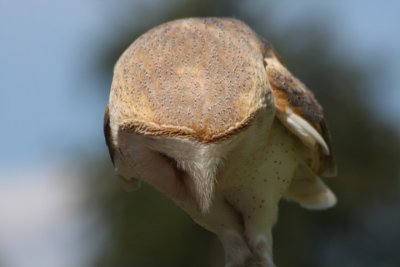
column 49, row 97
column 46, row 104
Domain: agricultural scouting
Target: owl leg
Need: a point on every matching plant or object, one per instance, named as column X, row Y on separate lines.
column 223, row 220
column 259, row 208
column 258, row 216
column 259, row 235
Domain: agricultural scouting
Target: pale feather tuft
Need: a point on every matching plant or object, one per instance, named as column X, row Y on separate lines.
column 200, row 161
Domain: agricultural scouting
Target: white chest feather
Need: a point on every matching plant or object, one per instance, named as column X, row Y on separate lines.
column 259, row 170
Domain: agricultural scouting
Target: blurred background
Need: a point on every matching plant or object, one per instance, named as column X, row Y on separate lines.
column 60, row 204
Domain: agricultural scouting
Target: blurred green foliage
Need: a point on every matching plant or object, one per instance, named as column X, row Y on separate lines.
column 146, row 229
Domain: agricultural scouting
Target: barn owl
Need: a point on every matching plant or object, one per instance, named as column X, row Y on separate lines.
column 204, row 110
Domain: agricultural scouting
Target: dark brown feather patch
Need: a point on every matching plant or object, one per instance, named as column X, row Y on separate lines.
column 107, row 134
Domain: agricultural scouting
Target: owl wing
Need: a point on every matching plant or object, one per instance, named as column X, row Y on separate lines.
column 300, row 112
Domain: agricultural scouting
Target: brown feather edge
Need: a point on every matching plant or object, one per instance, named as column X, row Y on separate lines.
column 152, row 129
